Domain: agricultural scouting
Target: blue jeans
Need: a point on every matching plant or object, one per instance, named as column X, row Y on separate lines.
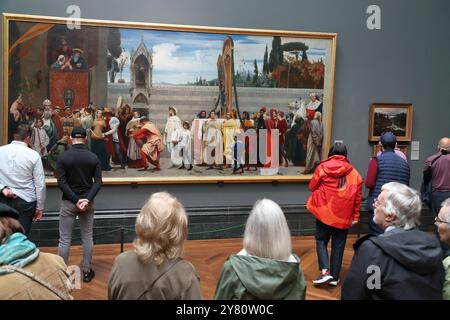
column 118, row 155
column 27, row 210
column 338, row 238
column 437, row 198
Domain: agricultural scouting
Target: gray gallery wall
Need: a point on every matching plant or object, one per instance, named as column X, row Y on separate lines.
column 406, row 61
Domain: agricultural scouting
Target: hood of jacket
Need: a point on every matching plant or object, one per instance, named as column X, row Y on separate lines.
column 414, row 249
column 266, row 278
column 337, row 166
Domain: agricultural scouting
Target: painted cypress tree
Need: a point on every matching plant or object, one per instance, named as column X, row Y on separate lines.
column 255, row 73
column 275, row 58
column 266, row 62
column 280, row 55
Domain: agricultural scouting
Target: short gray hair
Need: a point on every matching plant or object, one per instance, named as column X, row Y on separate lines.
column 405, row 203
column 446, row 210
column 266, row 232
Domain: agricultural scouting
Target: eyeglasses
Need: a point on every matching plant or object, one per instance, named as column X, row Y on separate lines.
column 376, row 203
column 437, row 220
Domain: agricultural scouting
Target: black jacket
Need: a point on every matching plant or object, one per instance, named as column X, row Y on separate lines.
column 410, row 267
column 79, row 174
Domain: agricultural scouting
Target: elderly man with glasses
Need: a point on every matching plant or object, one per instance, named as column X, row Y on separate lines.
column 401, row 263
column 442, row 222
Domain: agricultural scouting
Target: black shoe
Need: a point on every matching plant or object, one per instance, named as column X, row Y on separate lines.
column 88, row 276
column 190, row 168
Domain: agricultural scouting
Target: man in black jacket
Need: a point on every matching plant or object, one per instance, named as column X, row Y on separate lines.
column 401, row 263
column 79, row 178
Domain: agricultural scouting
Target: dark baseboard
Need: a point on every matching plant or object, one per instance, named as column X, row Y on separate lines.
column 204, row 223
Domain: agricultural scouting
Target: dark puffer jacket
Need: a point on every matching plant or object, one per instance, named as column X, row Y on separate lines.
column 410, row 267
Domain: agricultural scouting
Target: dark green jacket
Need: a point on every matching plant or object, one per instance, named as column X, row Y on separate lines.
column 254, row 278
column 446, row 290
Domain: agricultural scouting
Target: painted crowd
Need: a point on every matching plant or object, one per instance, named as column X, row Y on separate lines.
column 123, row 138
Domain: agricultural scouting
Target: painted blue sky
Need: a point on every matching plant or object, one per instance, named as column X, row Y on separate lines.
column 182, row 57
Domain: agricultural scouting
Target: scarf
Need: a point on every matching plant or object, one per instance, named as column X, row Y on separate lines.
column 17, row 251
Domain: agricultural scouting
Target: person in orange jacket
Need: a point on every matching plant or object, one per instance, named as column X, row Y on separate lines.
column 335, row 200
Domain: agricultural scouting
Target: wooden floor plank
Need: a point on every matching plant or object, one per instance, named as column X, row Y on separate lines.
column 208, row 257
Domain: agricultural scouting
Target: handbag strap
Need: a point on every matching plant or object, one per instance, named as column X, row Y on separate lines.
column 62, row 295
column 166, row 269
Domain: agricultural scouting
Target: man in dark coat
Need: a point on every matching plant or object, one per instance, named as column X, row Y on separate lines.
column 401, row 263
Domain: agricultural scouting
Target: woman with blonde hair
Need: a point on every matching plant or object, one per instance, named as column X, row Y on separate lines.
column 266, row 268
column 153, row 269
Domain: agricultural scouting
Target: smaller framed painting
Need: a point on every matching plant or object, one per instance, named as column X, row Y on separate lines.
column 377, row 148
column 394, row 117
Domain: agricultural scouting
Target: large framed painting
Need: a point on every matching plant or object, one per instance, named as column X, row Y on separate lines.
column 171, row 103
column 394, row 117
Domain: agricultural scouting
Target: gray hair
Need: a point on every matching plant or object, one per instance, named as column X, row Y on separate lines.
column 266, row 232
column 405, row 203
column 446, row 210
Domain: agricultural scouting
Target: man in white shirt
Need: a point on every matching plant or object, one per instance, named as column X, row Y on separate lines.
column 114, row 124
column 22, row 179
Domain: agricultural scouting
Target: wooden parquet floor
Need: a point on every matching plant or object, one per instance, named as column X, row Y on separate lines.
column 208, row 257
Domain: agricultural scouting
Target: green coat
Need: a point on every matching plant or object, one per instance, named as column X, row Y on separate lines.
column 446, row 289
column 254, row 278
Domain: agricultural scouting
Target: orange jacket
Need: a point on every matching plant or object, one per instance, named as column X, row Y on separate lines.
column 336, row 193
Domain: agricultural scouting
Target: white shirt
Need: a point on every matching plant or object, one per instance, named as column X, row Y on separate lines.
column 21, row 170
column 114, row 124
column 389, row 229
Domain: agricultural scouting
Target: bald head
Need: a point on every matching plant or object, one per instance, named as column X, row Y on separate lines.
column 444, row 144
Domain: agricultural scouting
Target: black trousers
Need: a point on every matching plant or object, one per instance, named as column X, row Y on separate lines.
column 26, row 210
column 338, row 238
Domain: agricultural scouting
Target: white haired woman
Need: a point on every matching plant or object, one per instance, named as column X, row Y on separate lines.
column 266, row 268
column 153, row 269
column 401, row 263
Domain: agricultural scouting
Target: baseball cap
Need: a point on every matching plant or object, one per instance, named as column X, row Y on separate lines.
column 388, row 138
column 78, row 132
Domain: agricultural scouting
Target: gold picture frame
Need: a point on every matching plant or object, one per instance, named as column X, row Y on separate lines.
column 401, row 147
column 394, row 117
column 327, row 42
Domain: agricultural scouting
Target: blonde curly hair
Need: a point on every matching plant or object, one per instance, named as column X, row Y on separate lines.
column 161, row 228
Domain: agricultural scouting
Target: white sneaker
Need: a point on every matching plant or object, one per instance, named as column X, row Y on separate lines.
column 334, row 283
column 323, row 279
